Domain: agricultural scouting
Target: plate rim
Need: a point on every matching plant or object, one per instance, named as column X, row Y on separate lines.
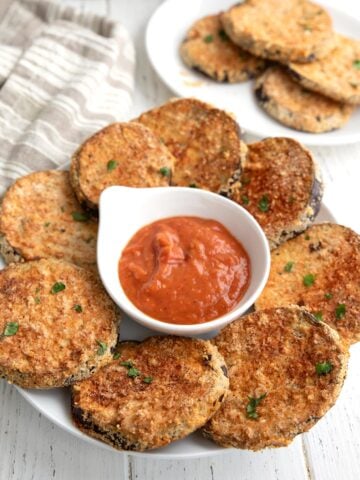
column 320, row 142
column 154, row 454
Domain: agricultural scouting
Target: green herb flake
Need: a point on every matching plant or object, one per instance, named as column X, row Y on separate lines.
column 252, row 405
column 245, row 199
column 127, row 364
column 133, row 372
column 328, row 296
column 77, row 308
column 307, row 237
column 291, row 199
column 80, row 217
column 165, row 171
column 307, row 28
column 245, row 181
column 147, row 379
column 208, row 38
column 356, row 64
column 288, row 267
column 57, row 287
column 223, row 35
column 111, row 165
column 318, row 316
column 46, row 224
column 116, row 355
column 193, row 185
column 89, row 239
column 10, row 329
column 323, row 368
column 102, row 347
column 37, row 300
column 309, row 280
column 264, row 203
column 340, row 310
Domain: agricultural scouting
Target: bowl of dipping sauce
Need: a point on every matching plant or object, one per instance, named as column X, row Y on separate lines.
column 182, row 261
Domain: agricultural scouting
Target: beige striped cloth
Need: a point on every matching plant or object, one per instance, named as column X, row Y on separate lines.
column 63, row 75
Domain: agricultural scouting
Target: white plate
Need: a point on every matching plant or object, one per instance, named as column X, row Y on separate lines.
column 55, row 404
column 166, row 30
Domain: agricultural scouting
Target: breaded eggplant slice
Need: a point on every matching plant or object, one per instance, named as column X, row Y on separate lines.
column 320, row 269
column 204, row 140
column 157, row 392
column 57, row 326
column 291, row 30
column 280, row 186
column 337, row 75
column 127, row 154
column 40, row 217
column 286, row 370
column 294, row 106
column 207, row 48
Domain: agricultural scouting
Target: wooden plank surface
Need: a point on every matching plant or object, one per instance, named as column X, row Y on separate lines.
column 33, row 448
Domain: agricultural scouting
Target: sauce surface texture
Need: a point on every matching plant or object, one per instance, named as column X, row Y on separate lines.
column 184, row 270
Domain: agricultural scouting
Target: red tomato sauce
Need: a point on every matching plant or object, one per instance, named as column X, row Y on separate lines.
column 184, row 270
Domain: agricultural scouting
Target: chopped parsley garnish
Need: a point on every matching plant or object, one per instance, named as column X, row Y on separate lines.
column 127, row 364
column 307, row 237
column 57, row 287
column 10, row 329
column 223, row 35
column 245, row 199
column 264, row 203
column 62, row 208
column 251, row 406
column 37, row 300
column 111, row 165
column 78, row 308
column 245, row 181
column 133, row 372
column 148, row 379
column 116, row 355
column 102, row 347
column 318, row 315
column 288, row 267
column 309, row 280
column 356, row 63
column 328, row 296
column 80, row 217
column 46, row 224
column 208, row 38
column 193, row 185
column 340, row 310
column 307, row 28
column 322, row 368
column 165, row 171
column 291, row 199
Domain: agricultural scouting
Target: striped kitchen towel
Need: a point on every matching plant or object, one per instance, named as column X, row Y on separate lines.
column 63, row 75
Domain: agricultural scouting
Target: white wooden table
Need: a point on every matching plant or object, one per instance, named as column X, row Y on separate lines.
column 33, row 448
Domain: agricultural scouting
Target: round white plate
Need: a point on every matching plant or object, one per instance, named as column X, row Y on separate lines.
column 55, row 404
column 167, row 28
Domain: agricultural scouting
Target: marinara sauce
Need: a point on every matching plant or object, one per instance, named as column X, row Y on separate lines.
column 184, row 270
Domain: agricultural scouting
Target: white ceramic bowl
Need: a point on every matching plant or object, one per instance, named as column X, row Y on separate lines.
column 124, row 210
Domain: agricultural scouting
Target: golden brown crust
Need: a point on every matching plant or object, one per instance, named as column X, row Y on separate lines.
column 274, row 353
column 332, row 254
column 126, row 154
column 204, row 140
column 292, row 105
column 189, row 382
column 337, row 75
column 56, row 344
column 284, row 173
column 207, row 48
column 37, row 221
column 299, row 30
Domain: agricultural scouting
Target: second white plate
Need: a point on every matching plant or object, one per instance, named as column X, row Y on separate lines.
column 167, row 28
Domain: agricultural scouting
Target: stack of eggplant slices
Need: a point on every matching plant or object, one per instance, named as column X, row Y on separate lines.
column 307, row 75
column 264, row 378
